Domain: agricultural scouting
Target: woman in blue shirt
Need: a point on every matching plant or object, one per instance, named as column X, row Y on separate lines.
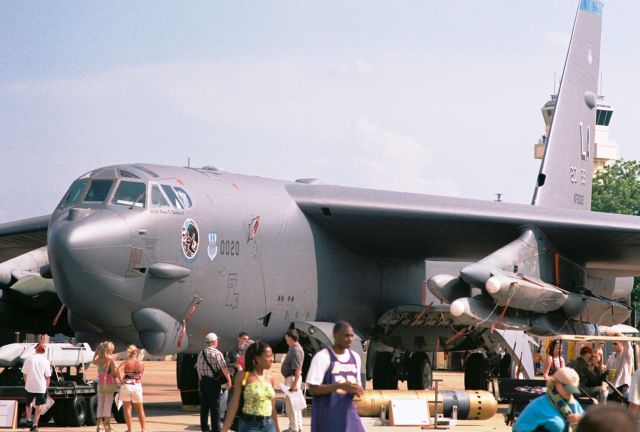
column 555, row 411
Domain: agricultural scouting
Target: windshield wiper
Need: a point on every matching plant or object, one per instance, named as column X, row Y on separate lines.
column 133, row 204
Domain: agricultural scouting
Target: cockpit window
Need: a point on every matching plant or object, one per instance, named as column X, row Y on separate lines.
column 74, row 193
column 184, row 197
column 98, row 191
column 172, row 196
column 157, row 199
column 124, row 173
column 131, row 193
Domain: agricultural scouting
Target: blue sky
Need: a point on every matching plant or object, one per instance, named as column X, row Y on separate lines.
column 423, row 96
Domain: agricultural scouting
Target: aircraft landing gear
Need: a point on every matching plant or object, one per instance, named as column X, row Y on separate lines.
column 476, row 372
column 413, row 367
column 187, row 378
column 385, row 376
column 480, row 368
column 419, row 372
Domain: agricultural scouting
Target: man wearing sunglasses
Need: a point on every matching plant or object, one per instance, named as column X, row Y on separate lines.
column 556, row 410
column 620, row 368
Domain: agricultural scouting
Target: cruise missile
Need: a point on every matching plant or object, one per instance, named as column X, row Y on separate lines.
column 472, row 404
column 448, row 288
column 525, row 292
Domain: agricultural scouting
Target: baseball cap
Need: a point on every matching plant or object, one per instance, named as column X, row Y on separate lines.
column 569, row 378
column 585, row 350
column 211, row 337
column 40, row 348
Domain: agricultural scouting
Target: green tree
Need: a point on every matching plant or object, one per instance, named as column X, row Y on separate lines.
column 616, row 189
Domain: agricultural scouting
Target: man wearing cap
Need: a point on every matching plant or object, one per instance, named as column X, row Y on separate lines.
column 36, row 371
column 210, row 363
column 589, row 380
column 557, row 410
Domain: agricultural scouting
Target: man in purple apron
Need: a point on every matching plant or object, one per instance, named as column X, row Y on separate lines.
column 333, row 380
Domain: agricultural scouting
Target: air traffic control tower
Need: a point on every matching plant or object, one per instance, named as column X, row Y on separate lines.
column 606, row 150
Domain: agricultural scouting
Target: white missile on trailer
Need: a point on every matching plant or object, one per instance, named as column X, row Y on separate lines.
column 59, row 354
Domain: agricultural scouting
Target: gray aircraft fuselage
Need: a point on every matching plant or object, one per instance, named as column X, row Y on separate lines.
column 255, row 259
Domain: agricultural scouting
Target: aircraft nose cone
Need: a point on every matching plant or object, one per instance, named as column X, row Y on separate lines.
column 88, row 256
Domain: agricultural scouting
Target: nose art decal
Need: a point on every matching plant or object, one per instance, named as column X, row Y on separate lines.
column 190, row 238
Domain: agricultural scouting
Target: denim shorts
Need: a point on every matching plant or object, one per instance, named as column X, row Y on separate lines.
column 248, row 424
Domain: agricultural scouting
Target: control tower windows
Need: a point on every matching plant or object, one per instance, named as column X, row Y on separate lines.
column 603, row 117
column 131, row 193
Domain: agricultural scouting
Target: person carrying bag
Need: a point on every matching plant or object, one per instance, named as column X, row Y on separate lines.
column 213, row 373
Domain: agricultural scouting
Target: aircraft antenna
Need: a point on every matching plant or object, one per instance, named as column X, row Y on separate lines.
column 498, row 196
column 188, row 162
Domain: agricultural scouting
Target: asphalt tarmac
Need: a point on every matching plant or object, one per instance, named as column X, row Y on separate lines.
column 165, row 413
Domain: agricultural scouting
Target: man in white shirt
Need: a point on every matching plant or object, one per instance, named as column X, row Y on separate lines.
column 334, row 379
column 620, row 366
column 36, row 371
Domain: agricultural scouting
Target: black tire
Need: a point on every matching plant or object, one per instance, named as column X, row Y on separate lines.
column 384, row 374
column 420, row 375
column 504, row 367
column 92, row 411
column 476, row 372
column 58, row 413
column 187, row 378
column 75, row 412
column 118, row 414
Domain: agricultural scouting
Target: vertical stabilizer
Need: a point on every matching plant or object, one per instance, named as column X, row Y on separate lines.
column 566, row 170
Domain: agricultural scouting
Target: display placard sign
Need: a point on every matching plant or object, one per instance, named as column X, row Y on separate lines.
column 409, row 412
column 8, row 414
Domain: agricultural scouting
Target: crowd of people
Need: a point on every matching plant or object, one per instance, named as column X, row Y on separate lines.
column 333, row 379
column 612, row 383
column 37, row 370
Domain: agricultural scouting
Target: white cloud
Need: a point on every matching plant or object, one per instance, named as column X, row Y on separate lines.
column 364, row 68
column 391, row 161
column 359, row 67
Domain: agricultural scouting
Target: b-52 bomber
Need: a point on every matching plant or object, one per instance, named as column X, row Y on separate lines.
column 161, row 255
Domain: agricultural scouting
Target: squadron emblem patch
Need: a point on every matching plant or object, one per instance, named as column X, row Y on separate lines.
column 212, row 249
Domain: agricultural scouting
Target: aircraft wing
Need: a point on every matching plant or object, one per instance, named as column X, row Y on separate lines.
column 405, row 225
column 28, row 301
column 20, row 237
